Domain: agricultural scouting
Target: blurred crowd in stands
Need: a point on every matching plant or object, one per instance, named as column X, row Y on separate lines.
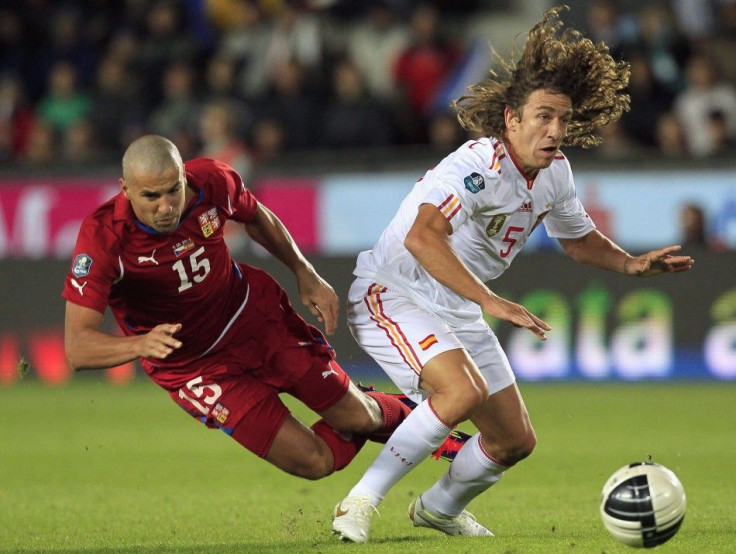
column 247, row 80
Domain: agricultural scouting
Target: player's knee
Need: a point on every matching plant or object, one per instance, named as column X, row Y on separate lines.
column 511, row 450
column 461, row 401
column 521, row 448
column 361, row 415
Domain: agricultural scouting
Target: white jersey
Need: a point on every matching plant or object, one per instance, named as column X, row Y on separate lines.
column 492, row 207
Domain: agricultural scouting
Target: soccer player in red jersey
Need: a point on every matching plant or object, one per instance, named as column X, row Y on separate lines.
column 219, row 336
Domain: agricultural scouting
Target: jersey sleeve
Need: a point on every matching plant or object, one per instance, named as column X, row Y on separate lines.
column 463, row 185
column 568, row 219
column 229, row 192
column 95, row 267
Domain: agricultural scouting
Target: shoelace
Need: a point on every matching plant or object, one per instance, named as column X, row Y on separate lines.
column 364, row 509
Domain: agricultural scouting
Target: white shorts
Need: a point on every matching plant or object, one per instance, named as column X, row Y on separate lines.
column 401, row 337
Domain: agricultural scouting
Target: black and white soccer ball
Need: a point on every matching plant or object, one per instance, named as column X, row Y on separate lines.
column 643, row 504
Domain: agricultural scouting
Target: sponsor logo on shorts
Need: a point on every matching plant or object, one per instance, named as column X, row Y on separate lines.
column 427, row 342
column 220, row 413
column 326, row 374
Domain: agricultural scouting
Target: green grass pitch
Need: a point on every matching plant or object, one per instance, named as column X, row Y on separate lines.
column 91, row 467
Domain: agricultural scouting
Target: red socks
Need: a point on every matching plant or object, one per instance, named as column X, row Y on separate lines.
column 343, row 450
column 394, row 412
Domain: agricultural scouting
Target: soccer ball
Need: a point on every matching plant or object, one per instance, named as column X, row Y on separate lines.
column 643, row 504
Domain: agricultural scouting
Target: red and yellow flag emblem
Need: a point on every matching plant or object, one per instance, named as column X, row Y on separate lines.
column 428, row 341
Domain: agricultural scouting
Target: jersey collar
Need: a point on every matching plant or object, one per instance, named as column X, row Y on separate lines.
column 529, row 179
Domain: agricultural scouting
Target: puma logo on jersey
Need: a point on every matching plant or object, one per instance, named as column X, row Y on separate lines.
column 150, row 258
column 79, row 287
column 326, row 374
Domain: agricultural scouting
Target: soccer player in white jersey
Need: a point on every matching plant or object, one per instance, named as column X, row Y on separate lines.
column 416, row 304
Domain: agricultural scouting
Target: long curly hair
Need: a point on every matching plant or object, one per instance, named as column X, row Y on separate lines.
column 562, row 62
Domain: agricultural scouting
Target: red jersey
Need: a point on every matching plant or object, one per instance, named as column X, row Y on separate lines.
column 186, row 276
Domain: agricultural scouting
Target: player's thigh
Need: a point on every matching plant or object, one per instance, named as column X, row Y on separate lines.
column 503, row 419
column 486, row 352
column 271, row 432
column 399, row 336
column 327, row 390
column 451, row 373
column 476, row 371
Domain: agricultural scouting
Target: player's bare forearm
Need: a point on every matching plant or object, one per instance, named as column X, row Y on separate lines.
column 316, row 294
column 429, row 242
column 95, row 350
column 87, row 347
column 268, row 231
column 597, row 250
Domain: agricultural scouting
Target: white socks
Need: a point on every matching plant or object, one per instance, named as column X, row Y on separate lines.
column 420, row 434
column 470, row 473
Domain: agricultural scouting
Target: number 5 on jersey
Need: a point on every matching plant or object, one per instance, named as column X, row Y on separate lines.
column 199, row 270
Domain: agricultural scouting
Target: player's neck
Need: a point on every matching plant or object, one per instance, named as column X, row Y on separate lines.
column 528, row 174
column 189, row 195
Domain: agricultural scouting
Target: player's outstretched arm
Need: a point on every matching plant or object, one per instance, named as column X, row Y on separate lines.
column 89, row 348
column 597, row 250
column 316, row 294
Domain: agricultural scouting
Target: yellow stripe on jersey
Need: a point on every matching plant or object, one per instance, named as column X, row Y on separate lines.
column 450, row 206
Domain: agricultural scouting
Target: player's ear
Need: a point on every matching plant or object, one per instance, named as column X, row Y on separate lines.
column 124, row 188
column 511, row 118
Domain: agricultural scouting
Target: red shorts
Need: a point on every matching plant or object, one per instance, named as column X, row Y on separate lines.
column 228, row 404
column 270, row 349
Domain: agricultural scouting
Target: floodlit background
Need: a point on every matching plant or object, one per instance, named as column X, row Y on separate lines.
column 331, row 110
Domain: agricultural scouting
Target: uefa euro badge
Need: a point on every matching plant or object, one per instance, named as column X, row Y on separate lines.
column 209, row 222
column 474, row 182
column 81, row 265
